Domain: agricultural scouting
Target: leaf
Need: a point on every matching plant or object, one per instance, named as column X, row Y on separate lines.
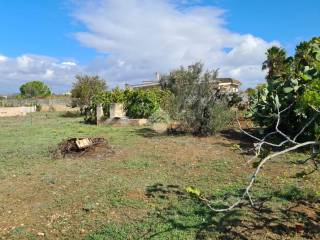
column 193, row 191
column 287, row 89
column 277, row 101
column 236, row 147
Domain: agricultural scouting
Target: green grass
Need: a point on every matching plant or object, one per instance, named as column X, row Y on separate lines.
column 139, row 192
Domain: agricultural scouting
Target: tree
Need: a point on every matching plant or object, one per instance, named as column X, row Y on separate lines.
column 197, row 102
column 85, row 88
column 35, row 89
column 276, row 62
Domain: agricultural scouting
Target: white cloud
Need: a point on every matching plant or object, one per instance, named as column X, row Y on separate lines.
column 16, row 71
column 145, row 36
column 68, row 63
column 136, row 38
column 3, row 58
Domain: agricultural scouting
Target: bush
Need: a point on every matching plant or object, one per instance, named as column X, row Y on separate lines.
column 137, row 103
column 196, row 100
column 84, row 89
column 141, row 103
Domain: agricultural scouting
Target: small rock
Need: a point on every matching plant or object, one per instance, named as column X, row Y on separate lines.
column 40, row 234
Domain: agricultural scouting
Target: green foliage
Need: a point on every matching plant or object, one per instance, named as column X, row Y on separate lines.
column 196, row 102
column 34, row 89
column 85, row 88
column 137, row 103
column 292, row 81
column 141, row 103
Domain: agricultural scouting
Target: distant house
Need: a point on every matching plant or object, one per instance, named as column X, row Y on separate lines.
column 225, row 85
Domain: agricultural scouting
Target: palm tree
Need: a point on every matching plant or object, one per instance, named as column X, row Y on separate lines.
column 275, row 63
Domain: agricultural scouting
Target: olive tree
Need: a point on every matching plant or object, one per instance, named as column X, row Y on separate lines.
column 197, row 102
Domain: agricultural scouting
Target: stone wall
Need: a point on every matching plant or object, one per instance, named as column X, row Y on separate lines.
column 16, row 111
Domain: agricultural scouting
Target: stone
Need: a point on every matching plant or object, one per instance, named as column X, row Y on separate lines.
column 117, row 110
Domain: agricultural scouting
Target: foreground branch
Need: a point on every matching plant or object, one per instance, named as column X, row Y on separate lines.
column 255, row 174
column 293, row 145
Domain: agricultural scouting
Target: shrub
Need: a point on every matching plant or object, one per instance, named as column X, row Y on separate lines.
column 84, row 89
column 141, row 103
column 138, row 103
column 196, row 99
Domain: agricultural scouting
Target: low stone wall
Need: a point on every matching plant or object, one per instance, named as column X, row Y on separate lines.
column 121, row 122
column 16, row 111
column 58, row 108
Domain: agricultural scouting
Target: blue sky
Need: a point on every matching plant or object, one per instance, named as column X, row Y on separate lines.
column 53, row 40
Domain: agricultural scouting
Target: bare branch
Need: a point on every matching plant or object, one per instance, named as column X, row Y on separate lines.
column 255, row 174
column 307, row 125
column 278, row 123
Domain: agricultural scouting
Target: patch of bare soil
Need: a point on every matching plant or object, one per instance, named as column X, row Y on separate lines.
column 96, row 148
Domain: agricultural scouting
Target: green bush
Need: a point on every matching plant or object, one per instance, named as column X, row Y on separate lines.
column 141, row 103
column 196, row 102
column 137, row 103
column 84, row 89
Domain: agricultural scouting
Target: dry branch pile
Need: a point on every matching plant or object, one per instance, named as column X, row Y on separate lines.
column 86, row 147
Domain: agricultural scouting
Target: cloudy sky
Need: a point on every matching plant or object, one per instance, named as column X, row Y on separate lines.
column 127, row 41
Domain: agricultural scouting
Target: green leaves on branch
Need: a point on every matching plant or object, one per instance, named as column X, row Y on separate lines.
column 291, row 81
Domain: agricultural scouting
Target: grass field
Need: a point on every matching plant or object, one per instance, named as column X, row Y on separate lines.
column 138, row 192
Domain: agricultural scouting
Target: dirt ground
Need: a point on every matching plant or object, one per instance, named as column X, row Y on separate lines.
column 75, row 198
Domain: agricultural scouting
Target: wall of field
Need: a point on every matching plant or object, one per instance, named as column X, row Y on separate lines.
column 13, row 106
column 16, row 111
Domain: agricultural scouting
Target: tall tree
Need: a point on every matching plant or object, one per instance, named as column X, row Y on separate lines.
column 276, row 62
column 35, row 89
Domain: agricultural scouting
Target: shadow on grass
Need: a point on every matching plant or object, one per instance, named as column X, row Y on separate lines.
column 69, row 114
column 180, row 216
column 150, row 133
column 233, row 135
